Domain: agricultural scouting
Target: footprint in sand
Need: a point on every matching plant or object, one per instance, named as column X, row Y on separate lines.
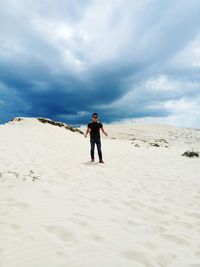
column 11, row 199
column 176, row 239
column 186, row 225
column 30, row 237
column 20, row 205
column 46, row 191
column 194, row 215
column 150, row 246
column 166, row 223
column 95, row 238
column 15, row 227
column 15, row 203
column 106, row 201
column 79, row 222
column 140, row 258
column 131, row 204
column 166, row 259
column 157, row 210
column 10, row 186
column 176, row 217
column 115, row 221
column 79, row 215
column 59, row 253
column 132, row 223
column 197, row 254
column 4, row 213
column 61, row 233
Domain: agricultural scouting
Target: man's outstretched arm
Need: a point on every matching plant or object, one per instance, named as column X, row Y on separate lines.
column 104, row 131
column 87, row 131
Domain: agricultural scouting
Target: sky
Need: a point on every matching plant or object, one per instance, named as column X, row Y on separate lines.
column 127, row 60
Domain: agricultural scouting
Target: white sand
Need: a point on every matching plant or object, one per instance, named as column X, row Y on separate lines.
column 140, row 209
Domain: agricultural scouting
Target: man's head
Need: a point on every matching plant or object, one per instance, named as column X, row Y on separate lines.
column 95, row 116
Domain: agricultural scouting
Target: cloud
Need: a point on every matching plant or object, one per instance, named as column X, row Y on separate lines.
column 159, row 97
column 123, row 59
column 183, row 112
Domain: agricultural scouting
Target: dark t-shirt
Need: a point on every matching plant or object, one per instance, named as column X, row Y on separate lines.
column 95, row 129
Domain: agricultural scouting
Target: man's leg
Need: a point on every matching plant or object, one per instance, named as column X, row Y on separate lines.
column 92, row 143
column 98, row 143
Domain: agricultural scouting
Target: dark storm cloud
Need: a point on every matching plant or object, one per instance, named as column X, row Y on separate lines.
column 66, row 59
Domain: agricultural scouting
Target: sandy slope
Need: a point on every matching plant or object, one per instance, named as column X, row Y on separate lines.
column 140, row 209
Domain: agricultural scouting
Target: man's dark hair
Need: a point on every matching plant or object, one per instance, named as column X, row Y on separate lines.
column 95, row 114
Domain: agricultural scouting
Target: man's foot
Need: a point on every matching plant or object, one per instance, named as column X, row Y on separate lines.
column 101, row 161
column 92, row 160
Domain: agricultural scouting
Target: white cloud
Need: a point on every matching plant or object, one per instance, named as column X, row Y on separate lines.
column 182, row 113
column 153, row 90
column 188, row 57
column 162, row 84
column 178, row 120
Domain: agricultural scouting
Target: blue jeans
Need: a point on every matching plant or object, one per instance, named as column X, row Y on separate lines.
column 96, row 141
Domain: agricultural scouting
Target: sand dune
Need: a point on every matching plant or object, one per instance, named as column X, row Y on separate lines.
column 139, row 209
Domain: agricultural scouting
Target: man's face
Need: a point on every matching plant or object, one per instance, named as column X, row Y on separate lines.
column 94, row 118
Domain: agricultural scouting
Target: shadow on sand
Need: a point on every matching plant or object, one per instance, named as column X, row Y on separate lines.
column 89, row 163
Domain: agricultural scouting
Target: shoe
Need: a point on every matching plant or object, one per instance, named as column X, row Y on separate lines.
column 92, row 160
column 101, row 161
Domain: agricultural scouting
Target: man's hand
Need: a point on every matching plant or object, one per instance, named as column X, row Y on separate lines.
column 86, row 133
column 104, row 131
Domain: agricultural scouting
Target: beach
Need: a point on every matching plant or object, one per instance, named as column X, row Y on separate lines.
column 139, row 209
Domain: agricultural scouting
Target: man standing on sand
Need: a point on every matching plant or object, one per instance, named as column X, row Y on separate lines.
column 94, row 130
